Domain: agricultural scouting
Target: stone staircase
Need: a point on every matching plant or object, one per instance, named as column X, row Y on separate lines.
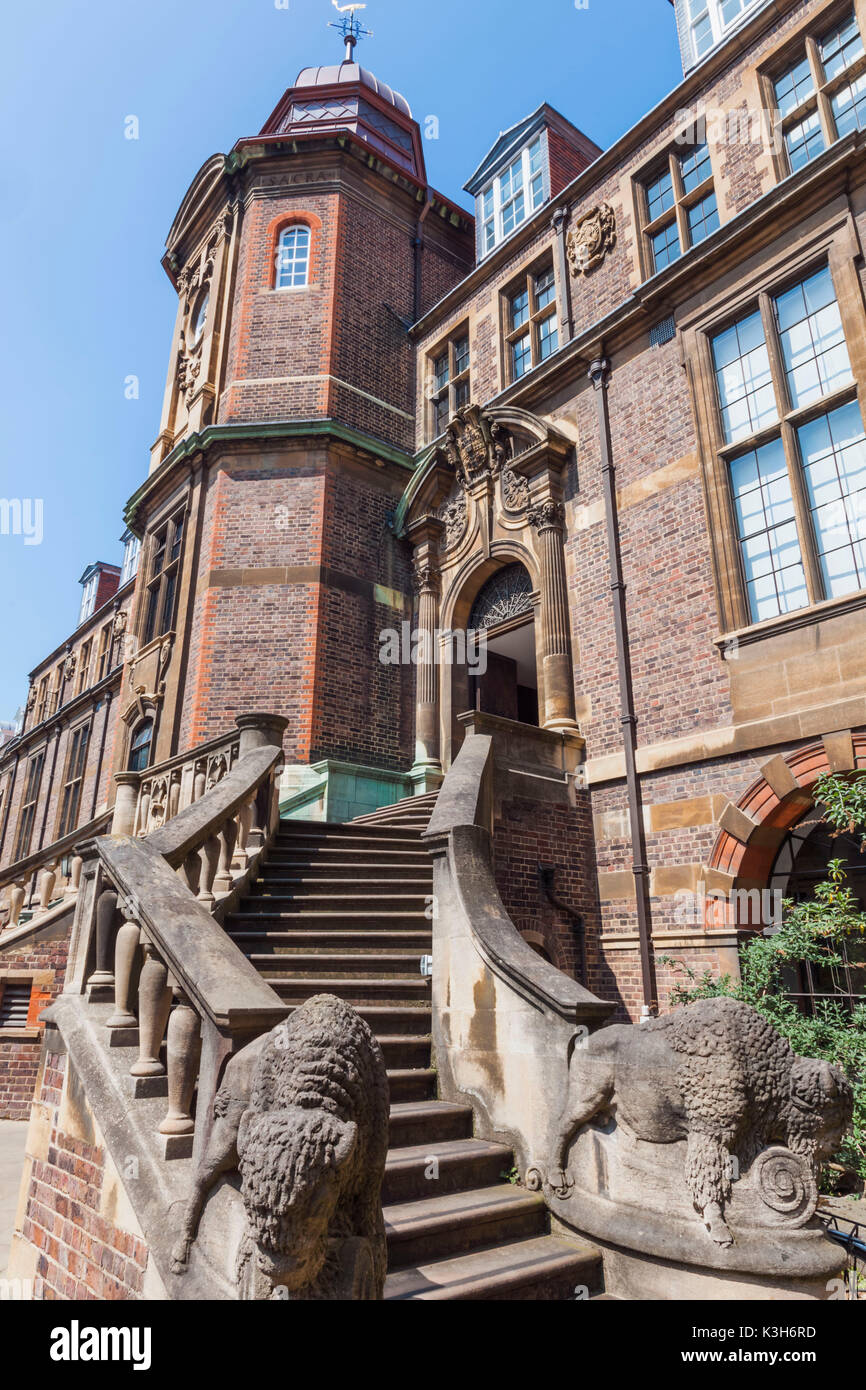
column 342, row 909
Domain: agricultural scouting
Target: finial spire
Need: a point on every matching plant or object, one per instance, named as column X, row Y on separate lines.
column 349, row 27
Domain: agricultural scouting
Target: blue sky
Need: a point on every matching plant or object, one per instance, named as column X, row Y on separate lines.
column 86, row 211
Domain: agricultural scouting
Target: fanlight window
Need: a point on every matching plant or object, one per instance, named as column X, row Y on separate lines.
column 139, row 749
column 506, row 595
column 293, row 258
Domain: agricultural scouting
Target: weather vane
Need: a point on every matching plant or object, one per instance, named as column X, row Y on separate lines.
column 349, row 26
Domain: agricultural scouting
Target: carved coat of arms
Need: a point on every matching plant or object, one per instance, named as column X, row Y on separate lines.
column 590, row 239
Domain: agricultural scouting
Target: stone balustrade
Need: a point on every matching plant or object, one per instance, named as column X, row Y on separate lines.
column 46, row 880
column 147, row 940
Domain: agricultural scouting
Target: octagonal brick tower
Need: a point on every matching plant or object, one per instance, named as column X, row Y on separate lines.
column 268, row 567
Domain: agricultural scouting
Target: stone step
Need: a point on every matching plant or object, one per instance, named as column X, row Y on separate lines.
column 347, row 852
column 347, row 884
column 290, row 936
column 422, row 1170
column 411, row 1083
column 371, row 837
column 336, row 965
column 360, row 920
column 417, row 822
column 539, row 1268
column 405, row 992
column 394, row 901
column 425, row 1122
column 405, row 1050
column 374, row 870
column 432, row 1227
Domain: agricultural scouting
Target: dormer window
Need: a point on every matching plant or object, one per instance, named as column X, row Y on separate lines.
column 513, row 195
column 88, row 597
column 131, row 550
column 712, row 20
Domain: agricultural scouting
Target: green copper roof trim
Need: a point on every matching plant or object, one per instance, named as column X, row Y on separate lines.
column 419, row 468
column 205, row 439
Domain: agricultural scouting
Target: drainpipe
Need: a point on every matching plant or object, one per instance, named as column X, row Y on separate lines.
column 599, row 375
column 417, row 244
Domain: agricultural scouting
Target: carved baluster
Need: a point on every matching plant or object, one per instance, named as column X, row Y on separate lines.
column 173, row 796
column 274, row 822
column 190, row 871
column 183, row 1049
column 102, row 977
column 16, row 902
column 227, row 836
column 261, row 803
column 75, row 874
column 143, row 810
column 199, row 781
column 208, row 856
column 154, row 1003
column 245, row 820
column 126, row 945
column 47, row 882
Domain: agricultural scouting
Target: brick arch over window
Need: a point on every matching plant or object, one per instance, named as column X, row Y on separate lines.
column 298, row 218
column 753, row 829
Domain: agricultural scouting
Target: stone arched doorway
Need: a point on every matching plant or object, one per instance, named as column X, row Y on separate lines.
column 486, row 503
column 763, row 835
column 503, row 615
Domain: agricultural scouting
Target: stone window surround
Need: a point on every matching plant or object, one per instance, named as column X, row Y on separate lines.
column 525, row 277
column 835, row 244
column 67, row 779
column 456, row 380
column 805, row 43
column 22, row 846
column 171, row 568
column 41, row 981
column 684, row 201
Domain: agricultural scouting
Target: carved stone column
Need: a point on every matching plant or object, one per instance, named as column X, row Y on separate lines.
column 125, row 803
column 426, row 675
column 558, row 713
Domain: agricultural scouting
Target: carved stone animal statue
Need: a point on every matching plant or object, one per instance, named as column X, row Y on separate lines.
column 303, row 1113
column 716, row 1074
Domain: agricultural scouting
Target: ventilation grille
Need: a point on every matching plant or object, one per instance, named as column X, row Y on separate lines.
column 14, row 1003
column 663, row 331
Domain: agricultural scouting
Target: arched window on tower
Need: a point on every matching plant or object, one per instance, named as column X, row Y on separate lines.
column 139, row 748
column 293, row 258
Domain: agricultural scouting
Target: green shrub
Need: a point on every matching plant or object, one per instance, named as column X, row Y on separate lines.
column 812, row 931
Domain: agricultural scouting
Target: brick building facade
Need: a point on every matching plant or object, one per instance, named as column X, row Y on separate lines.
column 346, row 335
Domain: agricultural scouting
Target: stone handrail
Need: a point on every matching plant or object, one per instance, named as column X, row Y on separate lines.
column 45, row 863
column 461, row 825
column 147, row 937
column 505, row 1021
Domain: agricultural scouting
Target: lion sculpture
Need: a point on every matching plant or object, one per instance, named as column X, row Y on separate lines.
column 716, row 1074
column 303, row 1113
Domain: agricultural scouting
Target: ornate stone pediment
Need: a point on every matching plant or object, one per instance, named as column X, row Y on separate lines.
column 590, row 239
column 475, row 447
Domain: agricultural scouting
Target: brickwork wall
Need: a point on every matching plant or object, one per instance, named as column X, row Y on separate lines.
column 82, row 1253
column 44, row 955
column 280, row 345
column 528, row 833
